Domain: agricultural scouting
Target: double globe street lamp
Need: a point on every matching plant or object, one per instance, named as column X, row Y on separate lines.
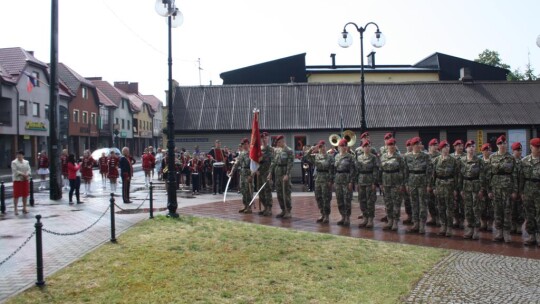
column 378, row 40
column 167, row 8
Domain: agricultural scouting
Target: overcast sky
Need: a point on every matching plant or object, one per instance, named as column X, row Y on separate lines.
column 125, row 40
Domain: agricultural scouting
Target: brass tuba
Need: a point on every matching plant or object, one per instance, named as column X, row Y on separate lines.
column 334, row 139
column 350, row 137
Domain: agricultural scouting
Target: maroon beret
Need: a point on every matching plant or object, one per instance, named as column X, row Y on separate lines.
column 501, row 139
column 535, row 142
column 365, row 134
column 408, row 143
column 485, row 147
column 342, row 142
column 264, row 134
column 321, row 143
column 433, row 142
column 443, row 144
column 516, row 146
column 469, row 143
column 458, row 142
column 391, row 141
column 415, row 140
column 244, row 141
column 279, row 137
column 388, row 135
column 365, row 143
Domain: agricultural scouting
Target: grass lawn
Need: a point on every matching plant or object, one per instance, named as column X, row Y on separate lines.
column 201, row 260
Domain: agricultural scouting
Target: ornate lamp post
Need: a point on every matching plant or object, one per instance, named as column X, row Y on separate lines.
column 378, row 40
column 167, row 8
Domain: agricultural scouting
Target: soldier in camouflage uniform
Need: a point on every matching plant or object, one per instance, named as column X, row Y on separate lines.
column 392, row 176
column 405, row 194
column 518, row 216
column 445, row 179
column 367, row 166
column 431, row 198
column 246, row 181
column 503, row 186
column 324, row 178
column 265, row 196
column 473, row 182
column 344, row 179
column 486, row 221
column 529, row 183
column 282, row 164
column 417, row 172
column 360, row 151
column 459, row 213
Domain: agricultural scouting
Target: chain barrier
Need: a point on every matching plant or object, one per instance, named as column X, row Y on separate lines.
column 18, row 249
column 78, row 232
column 138, row 207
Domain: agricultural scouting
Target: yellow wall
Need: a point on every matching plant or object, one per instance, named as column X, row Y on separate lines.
column 144, row 129
column 375, row 77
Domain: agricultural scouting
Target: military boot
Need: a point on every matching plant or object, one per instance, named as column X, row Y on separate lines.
column 262, row 212
column 513, row 229
column 347, row 221
column 248, row 210
column 389, row 224
column 431, row 222
column 518, row 229
column 415, row 228
column 363, row 223
column 395, row 225
column 320, row 219
column 242, row 210
column 341, row 221
column 530, row 240
column 408, row 220
column 476, row 233
column 468, row 233
column 281, row 214
column 483, row 225
column 506, row 236
column 326, row 219
column 442, row 230
column 498, row 236
column 384, row 219
column 268, row 211
column 422, row 228
column 287, row 215
column 489, row 225
column 449, row 232
column 369, row 223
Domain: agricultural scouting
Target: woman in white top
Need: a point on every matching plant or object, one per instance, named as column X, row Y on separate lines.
column 20, row 168
column 159, row 159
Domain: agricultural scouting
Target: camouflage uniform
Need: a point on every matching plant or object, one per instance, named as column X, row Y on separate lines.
column 367, row 167
column 445, row 178
column 486, row 204
column 432, row 199
column 503, row 181
column 529, row 184
column 325, row 170
column 392, row 177
column 282, row 164
column 345, row 174
column 459, row 211
column 518, row 216
column 358, row 152
column 417, row 171
column 407, row 201
column 472, row 181
column 265, row 196
column 246, row 187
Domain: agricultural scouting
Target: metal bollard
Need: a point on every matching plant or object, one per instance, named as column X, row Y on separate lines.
column 39, row 252
column 2, row 198
column 31, row 192
column 151, row 200
column 113, row 231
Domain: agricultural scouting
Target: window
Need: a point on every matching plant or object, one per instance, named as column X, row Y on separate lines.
column 75, row 115
column 128, row 124
column 36, row 77
column 22, row 107
column 35, row 109
column 84, row 117
column 47, row 111
column 116, row 121
column 5, row 105
column 93, row 118
column 84, row 92
column 123, row 126
column 123, row 101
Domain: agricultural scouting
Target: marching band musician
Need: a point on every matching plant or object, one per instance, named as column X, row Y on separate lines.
column 195, row 166
column 344, row 180
column 324, row 163
column 209, row 167
column 246, row 180
column 112, row 170
column 43, row 168
column 64, row 164
column 219, row 167
column 148, row 164
column 86, row 171
column 103, row 169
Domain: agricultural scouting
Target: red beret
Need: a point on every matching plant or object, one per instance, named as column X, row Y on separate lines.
column 343, row 142
column 408, row 143
column 365, row 134
column 391, row 141
column 458, row 142
column 279, row 137
column 388, row 135
column 264, row 134
column 443, row 144
column 416, row 140
column 501, row 139
column 433, row 142
column 516, row 146
column 321, row 143
column 244, row 141
column 535, row 142
column 469, row 143
column 365, row 143
column 485, row 147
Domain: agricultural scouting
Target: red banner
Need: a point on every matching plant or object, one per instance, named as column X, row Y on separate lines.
column 255, row 153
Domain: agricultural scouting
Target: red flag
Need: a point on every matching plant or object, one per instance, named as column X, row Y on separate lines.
column 255, row 153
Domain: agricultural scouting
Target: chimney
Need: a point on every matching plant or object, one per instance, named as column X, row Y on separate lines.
column 333, row 60
column 291, row 78
column 126, row 86
column 371, row 59
column 31, row 53
column 465, row 75
column 94, row 78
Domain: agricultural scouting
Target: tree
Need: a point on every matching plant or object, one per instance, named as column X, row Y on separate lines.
column 492, row 58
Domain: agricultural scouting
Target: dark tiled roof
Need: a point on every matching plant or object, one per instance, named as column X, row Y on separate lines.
column 14, row 60
column 388, row 105
column 5, row 76
column 72, row 79
column 114, row 94
column 153, row 101
column 136, row 102
column 104, row 100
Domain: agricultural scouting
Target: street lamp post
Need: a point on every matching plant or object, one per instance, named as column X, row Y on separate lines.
column 378, row 40
column 167, row 8
column 55, row 177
